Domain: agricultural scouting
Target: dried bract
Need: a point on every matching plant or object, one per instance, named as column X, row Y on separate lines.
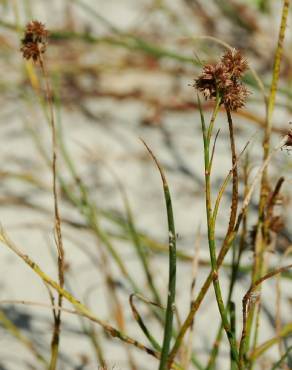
column 35, row 41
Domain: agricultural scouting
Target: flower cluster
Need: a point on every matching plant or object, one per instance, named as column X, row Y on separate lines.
column 224, row 78
column 35, row 41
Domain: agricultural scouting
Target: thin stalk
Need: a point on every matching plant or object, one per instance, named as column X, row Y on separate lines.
column 258, row 307
column 211, row 234
column 224, row 185
column 232, row 218
column 140, row 321
column 232, row 313
column 234, row 201
column 172, row 267
column 58, row 231
column 235, row 267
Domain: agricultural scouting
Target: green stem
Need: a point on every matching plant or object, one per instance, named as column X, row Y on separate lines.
column 140, row 322
column 232, row 220
column 211, row 235
column 172, row 268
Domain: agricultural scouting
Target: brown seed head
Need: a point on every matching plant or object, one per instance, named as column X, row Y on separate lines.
column 214, row 77
column 35, row 41
column 235, row 97
column 37, row 30
column 224, row 78
column 234, row 62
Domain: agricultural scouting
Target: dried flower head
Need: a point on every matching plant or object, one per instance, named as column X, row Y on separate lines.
column 223, row 78
column 214, row 76
column 235, row 97
column 235, row 63
column 35, row 41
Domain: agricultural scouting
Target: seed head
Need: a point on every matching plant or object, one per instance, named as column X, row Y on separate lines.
column 213, row 77
column 235, row 97
column 35, row 41
column 234, row 63
column 223, row 78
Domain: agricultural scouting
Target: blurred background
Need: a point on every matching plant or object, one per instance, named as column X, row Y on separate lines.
column 120, row 71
